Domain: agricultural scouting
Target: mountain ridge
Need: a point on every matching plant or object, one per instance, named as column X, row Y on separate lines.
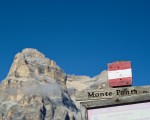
column 37, row 81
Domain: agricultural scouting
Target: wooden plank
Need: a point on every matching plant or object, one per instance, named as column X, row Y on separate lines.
column 116, row 101
column 111, row 93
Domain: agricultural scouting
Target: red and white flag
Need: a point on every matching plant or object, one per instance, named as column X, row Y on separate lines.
column 119, row 74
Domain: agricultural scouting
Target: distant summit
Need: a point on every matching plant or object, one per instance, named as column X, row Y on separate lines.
column 30, row 63
column 36, row 88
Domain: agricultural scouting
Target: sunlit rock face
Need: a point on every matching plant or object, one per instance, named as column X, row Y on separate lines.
column 30, row 63
column 36, row 88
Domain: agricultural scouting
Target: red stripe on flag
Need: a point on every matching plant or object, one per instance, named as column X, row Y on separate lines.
column 120, row 82
column 119, row 66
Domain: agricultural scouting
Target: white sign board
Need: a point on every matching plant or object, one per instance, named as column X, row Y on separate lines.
column 139, row 111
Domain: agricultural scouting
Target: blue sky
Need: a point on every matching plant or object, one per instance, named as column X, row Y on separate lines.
column 82, row 36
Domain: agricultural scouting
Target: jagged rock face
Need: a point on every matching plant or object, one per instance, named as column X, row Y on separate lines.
column 31, row 63
column 37, row 89
column 83, row 83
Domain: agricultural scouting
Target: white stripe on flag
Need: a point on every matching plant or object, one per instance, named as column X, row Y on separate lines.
column 119, row 74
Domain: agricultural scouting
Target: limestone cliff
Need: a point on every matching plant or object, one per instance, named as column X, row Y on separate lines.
column 36, row 88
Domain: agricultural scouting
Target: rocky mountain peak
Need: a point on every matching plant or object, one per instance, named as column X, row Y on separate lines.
column 30, row 63
column 32, row 53
column 36, row 88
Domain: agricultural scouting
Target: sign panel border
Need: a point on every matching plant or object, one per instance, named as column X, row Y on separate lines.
column 86, row 105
